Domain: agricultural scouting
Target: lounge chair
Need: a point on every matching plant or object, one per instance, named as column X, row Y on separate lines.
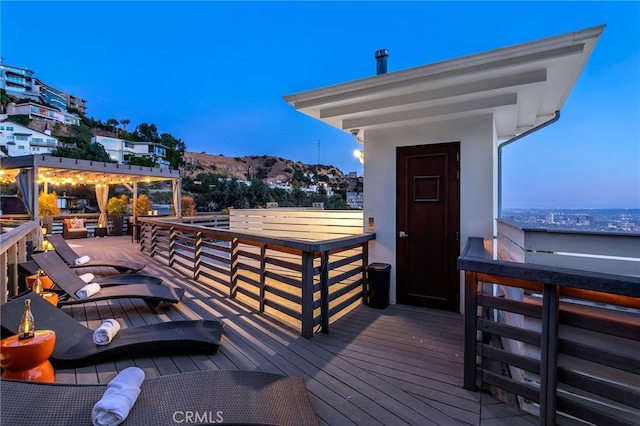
column 30, row 268
column 229, row 397
column 74, row 342
column 69, row 255
column 69, row 282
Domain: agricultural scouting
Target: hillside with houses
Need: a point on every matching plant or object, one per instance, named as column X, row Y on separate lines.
column 273, row 170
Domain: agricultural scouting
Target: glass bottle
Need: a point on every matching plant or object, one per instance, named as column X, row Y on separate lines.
column 27, row 324
column 37, row 285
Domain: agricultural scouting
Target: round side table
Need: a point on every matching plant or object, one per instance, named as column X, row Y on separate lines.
column 28, row 359
column 46, row 282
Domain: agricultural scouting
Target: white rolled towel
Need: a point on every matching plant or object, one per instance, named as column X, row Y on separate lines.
column 122, row 392
column 81, row 260
column 87, row 278
column 88, row 290
column 106, row 332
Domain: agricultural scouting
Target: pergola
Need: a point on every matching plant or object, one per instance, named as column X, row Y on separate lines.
column 31, row 170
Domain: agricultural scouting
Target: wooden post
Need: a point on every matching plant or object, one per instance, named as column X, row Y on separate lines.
column 4, row 279
column 549, row 355
column 324, row 291
column 141, row 236
column 197, row 256
column 470, row 321
column 263, row 267
column 307, row 294
column 365, row 263
column 154, row 239
column 172, row 245
column 233, row 269
column 12, row 252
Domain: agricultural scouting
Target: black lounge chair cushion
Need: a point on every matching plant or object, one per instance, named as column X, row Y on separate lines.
column 69, row 255
column 234, row 397
column 67, row 280
column 74, row 342
column 30, row 268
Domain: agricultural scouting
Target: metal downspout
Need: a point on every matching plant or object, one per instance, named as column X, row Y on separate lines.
column 509, row 142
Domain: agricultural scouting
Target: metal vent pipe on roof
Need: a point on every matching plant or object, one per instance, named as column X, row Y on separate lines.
column 381, row 61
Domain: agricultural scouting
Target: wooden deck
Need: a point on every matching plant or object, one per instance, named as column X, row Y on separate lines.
column 400, row 365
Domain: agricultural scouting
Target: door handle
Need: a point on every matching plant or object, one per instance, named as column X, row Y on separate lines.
column 402, row 234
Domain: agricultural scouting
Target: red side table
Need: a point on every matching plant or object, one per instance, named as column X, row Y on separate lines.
column 28, row 359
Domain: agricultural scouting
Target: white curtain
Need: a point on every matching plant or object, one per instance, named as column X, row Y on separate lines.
column 24, row 179
column 102, row 195
column 177, row 199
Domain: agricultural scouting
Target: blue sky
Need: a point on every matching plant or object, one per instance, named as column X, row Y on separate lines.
column 213, row 74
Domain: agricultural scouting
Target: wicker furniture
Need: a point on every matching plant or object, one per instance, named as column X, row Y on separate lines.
column 227, row 397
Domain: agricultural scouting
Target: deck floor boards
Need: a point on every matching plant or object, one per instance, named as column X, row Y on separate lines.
column 400, row 365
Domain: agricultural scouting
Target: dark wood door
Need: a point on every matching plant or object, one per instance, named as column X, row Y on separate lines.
column 428, row 225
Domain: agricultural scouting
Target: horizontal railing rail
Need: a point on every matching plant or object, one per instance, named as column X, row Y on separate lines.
column 581, row 361
column 613, row 252
column 304, row 282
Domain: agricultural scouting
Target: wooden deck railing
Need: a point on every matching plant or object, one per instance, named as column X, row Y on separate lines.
column 309, row 282
column 16, row 244
column 588, row 361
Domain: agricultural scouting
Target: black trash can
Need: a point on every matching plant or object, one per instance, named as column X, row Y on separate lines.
column 378, row 277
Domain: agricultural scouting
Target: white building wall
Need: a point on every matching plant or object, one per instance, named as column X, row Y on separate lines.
column 113, row 146
column 20, row 140
column 39, row 111
column 477, row 184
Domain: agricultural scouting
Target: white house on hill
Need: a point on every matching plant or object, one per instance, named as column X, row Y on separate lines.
column 19, row 140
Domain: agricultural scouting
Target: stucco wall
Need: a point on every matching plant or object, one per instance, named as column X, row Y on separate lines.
column 477, row 184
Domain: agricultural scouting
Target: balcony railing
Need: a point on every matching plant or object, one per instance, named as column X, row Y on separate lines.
column 307, row 283
column 559, row 347
column 18, row 240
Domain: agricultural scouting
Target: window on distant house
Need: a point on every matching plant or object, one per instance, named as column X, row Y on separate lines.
column 21, row 138
column 21, row 147
column 10, row 128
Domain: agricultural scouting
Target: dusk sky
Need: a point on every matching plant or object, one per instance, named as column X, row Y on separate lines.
column 213, row 74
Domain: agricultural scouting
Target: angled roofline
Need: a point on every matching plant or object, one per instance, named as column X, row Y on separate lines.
column 529, row 50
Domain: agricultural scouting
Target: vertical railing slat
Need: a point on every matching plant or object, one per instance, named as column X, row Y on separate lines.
column 307, row 294
column 324, row 291
column 4, row 277
column 549, row 355
column 233, row 269
column 172, row 245
column 470, row 329
column 154, row 239
column 13, row 261
column 365, row 263
column 263, row 268
column 197, row 256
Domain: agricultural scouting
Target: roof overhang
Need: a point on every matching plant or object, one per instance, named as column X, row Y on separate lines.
column 522, row 86
column 73, row 171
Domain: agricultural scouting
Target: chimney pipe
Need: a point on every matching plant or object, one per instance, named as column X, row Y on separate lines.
column 381, row 61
